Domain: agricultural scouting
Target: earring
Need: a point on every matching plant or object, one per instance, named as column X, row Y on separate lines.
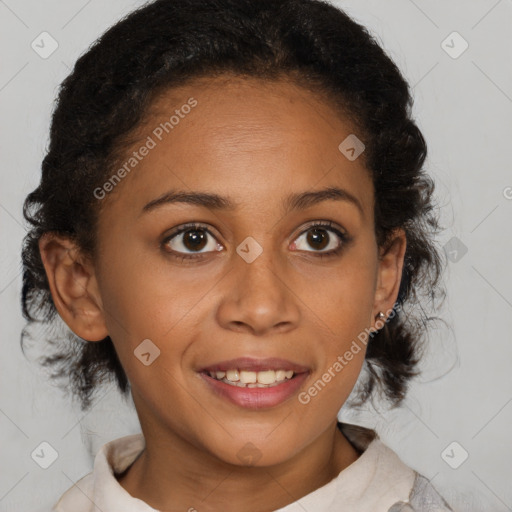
column 379, row 317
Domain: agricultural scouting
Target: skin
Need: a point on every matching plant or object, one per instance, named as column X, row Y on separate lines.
column 255, row 142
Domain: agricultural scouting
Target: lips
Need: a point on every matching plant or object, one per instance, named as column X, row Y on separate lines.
column 254, row 395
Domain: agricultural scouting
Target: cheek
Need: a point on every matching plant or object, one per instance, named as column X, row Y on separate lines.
column 156, row 301
column 142, row 297
column 344, row 304
column 342, row 296
column 138, row 303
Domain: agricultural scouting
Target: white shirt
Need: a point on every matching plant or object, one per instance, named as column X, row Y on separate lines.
column 378, row 481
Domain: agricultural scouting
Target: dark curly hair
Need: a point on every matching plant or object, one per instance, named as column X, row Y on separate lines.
column 167, row 43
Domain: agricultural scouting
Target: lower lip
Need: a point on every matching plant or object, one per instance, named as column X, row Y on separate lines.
column 256, row 398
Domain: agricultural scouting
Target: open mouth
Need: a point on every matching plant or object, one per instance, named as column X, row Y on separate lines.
column 255, row 383
column 255, row 389
column 252, row 379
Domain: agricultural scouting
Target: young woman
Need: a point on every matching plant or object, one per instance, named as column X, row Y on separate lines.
column 231, row 216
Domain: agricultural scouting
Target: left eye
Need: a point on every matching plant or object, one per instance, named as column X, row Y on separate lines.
column 320, row 238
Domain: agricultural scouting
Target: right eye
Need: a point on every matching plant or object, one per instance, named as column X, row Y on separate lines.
column 189, row 240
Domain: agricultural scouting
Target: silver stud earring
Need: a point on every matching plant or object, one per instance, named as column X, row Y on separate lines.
column 380, row 315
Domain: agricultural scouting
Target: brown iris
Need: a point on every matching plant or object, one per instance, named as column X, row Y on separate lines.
column 194, row 239
column 317, row 236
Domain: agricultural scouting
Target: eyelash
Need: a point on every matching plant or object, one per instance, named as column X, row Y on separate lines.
column 345, row 239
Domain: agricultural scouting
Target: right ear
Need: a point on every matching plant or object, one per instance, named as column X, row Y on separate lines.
column 73, row 286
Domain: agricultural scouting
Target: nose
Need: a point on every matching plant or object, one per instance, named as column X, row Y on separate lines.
column 258, row 298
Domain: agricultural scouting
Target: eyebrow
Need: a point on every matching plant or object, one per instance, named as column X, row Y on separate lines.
column 299, row 201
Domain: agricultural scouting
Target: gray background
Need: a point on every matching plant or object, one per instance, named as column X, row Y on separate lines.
column 463, row 106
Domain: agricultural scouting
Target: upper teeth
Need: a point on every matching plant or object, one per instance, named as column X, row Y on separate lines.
column 247, row 377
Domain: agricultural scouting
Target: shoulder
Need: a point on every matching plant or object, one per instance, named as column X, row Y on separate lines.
column 77, row 497
column 422, row 498
column 396, row 486
column 99, row 489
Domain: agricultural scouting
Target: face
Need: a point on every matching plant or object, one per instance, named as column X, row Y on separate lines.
column 241, row 233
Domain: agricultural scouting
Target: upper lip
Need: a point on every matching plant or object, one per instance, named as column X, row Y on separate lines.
column 255, row 365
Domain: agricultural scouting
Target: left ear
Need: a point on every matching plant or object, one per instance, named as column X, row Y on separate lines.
column 391, row 262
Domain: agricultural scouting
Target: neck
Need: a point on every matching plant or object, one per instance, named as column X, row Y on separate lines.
column 175, row 475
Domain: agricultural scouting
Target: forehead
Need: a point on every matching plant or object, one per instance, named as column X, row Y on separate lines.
column 248, row 138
